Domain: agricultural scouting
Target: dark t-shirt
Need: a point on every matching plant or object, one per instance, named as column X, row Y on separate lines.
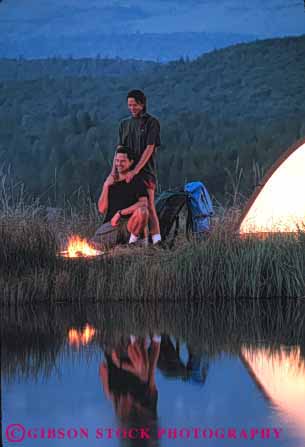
column 137, row 133
column 121, row 195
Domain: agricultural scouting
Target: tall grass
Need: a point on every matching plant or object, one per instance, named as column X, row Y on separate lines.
column 221, row 266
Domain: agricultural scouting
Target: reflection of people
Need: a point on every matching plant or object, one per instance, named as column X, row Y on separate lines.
column 125, row 204
column 198, row 365
column 128, row 380
column 141, row 132
column 171, row 365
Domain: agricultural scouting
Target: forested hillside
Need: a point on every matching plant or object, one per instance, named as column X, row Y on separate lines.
column 245, row 103
column 59, row 68
column 155, row 46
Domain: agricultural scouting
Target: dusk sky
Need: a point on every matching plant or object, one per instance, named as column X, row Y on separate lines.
column 23, row 20
column 43, row 28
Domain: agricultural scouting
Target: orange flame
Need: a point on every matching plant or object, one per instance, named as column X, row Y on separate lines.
column 78, row 247
column 83, row 338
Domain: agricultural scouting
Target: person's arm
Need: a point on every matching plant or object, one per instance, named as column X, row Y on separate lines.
column 153, row 360
column 141, row 163
column 120, row 144
column 113, row 170
column 103, row 200
column 144, row 158
column 103, row 373
column 142, row 202
column 153, row 140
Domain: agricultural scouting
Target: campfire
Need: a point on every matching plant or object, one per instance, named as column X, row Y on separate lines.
column 79, row 248
column 81, row 338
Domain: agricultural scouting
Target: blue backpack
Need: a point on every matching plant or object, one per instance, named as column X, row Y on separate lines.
column 200, row 208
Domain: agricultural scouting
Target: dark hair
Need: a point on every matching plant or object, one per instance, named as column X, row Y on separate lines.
column 125, row 150
column 138, row 96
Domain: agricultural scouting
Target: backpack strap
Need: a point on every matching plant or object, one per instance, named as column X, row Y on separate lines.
column 177, row 226
column 206, row 201
column 175, row 231
column 189, row 219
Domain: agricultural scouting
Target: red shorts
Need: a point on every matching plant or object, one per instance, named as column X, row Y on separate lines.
column 150, row 184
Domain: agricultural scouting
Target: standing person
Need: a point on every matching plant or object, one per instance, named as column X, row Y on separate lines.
column 141, row 133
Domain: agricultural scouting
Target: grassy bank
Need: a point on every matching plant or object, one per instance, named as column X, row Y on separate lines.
column 223, row 266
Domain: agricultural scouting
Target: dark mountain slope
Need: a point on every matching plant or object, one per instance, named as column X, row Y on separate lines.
column 244, row 103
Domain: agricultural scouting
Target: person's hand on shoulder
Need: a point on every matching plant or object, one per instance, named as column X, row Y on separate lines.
column 110, row 180
column 130, row 175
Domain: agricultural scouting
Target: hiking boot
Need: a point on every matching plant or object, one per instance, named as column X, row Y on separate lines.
column 136, row 244
column 159, row 245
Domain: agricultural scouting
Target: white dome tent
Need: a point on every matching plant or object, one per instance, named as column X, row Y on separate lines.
column 278, row 203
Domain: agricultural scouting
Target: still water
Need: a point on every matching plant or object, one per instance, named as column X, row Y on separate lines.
column 115, row 376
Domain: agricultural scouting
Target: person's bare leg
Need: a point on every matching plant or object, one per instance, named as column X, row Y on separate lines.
column 145, row 231
column 154, row 226
column 138, row 221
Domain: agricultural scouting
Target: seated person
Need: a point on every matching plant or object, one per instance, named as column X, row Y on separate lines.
column 125, row 205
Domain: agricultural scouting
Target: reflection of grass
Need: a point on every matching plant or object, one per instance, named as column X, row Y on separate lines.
column 221, row 266
column 32, row 338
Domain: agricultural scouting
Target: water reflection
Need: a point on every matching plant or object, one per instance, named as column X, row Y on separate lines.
column 81, row 337
column 195, row 368
column 134, row 366
column 128, row 379
column 280, row 375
